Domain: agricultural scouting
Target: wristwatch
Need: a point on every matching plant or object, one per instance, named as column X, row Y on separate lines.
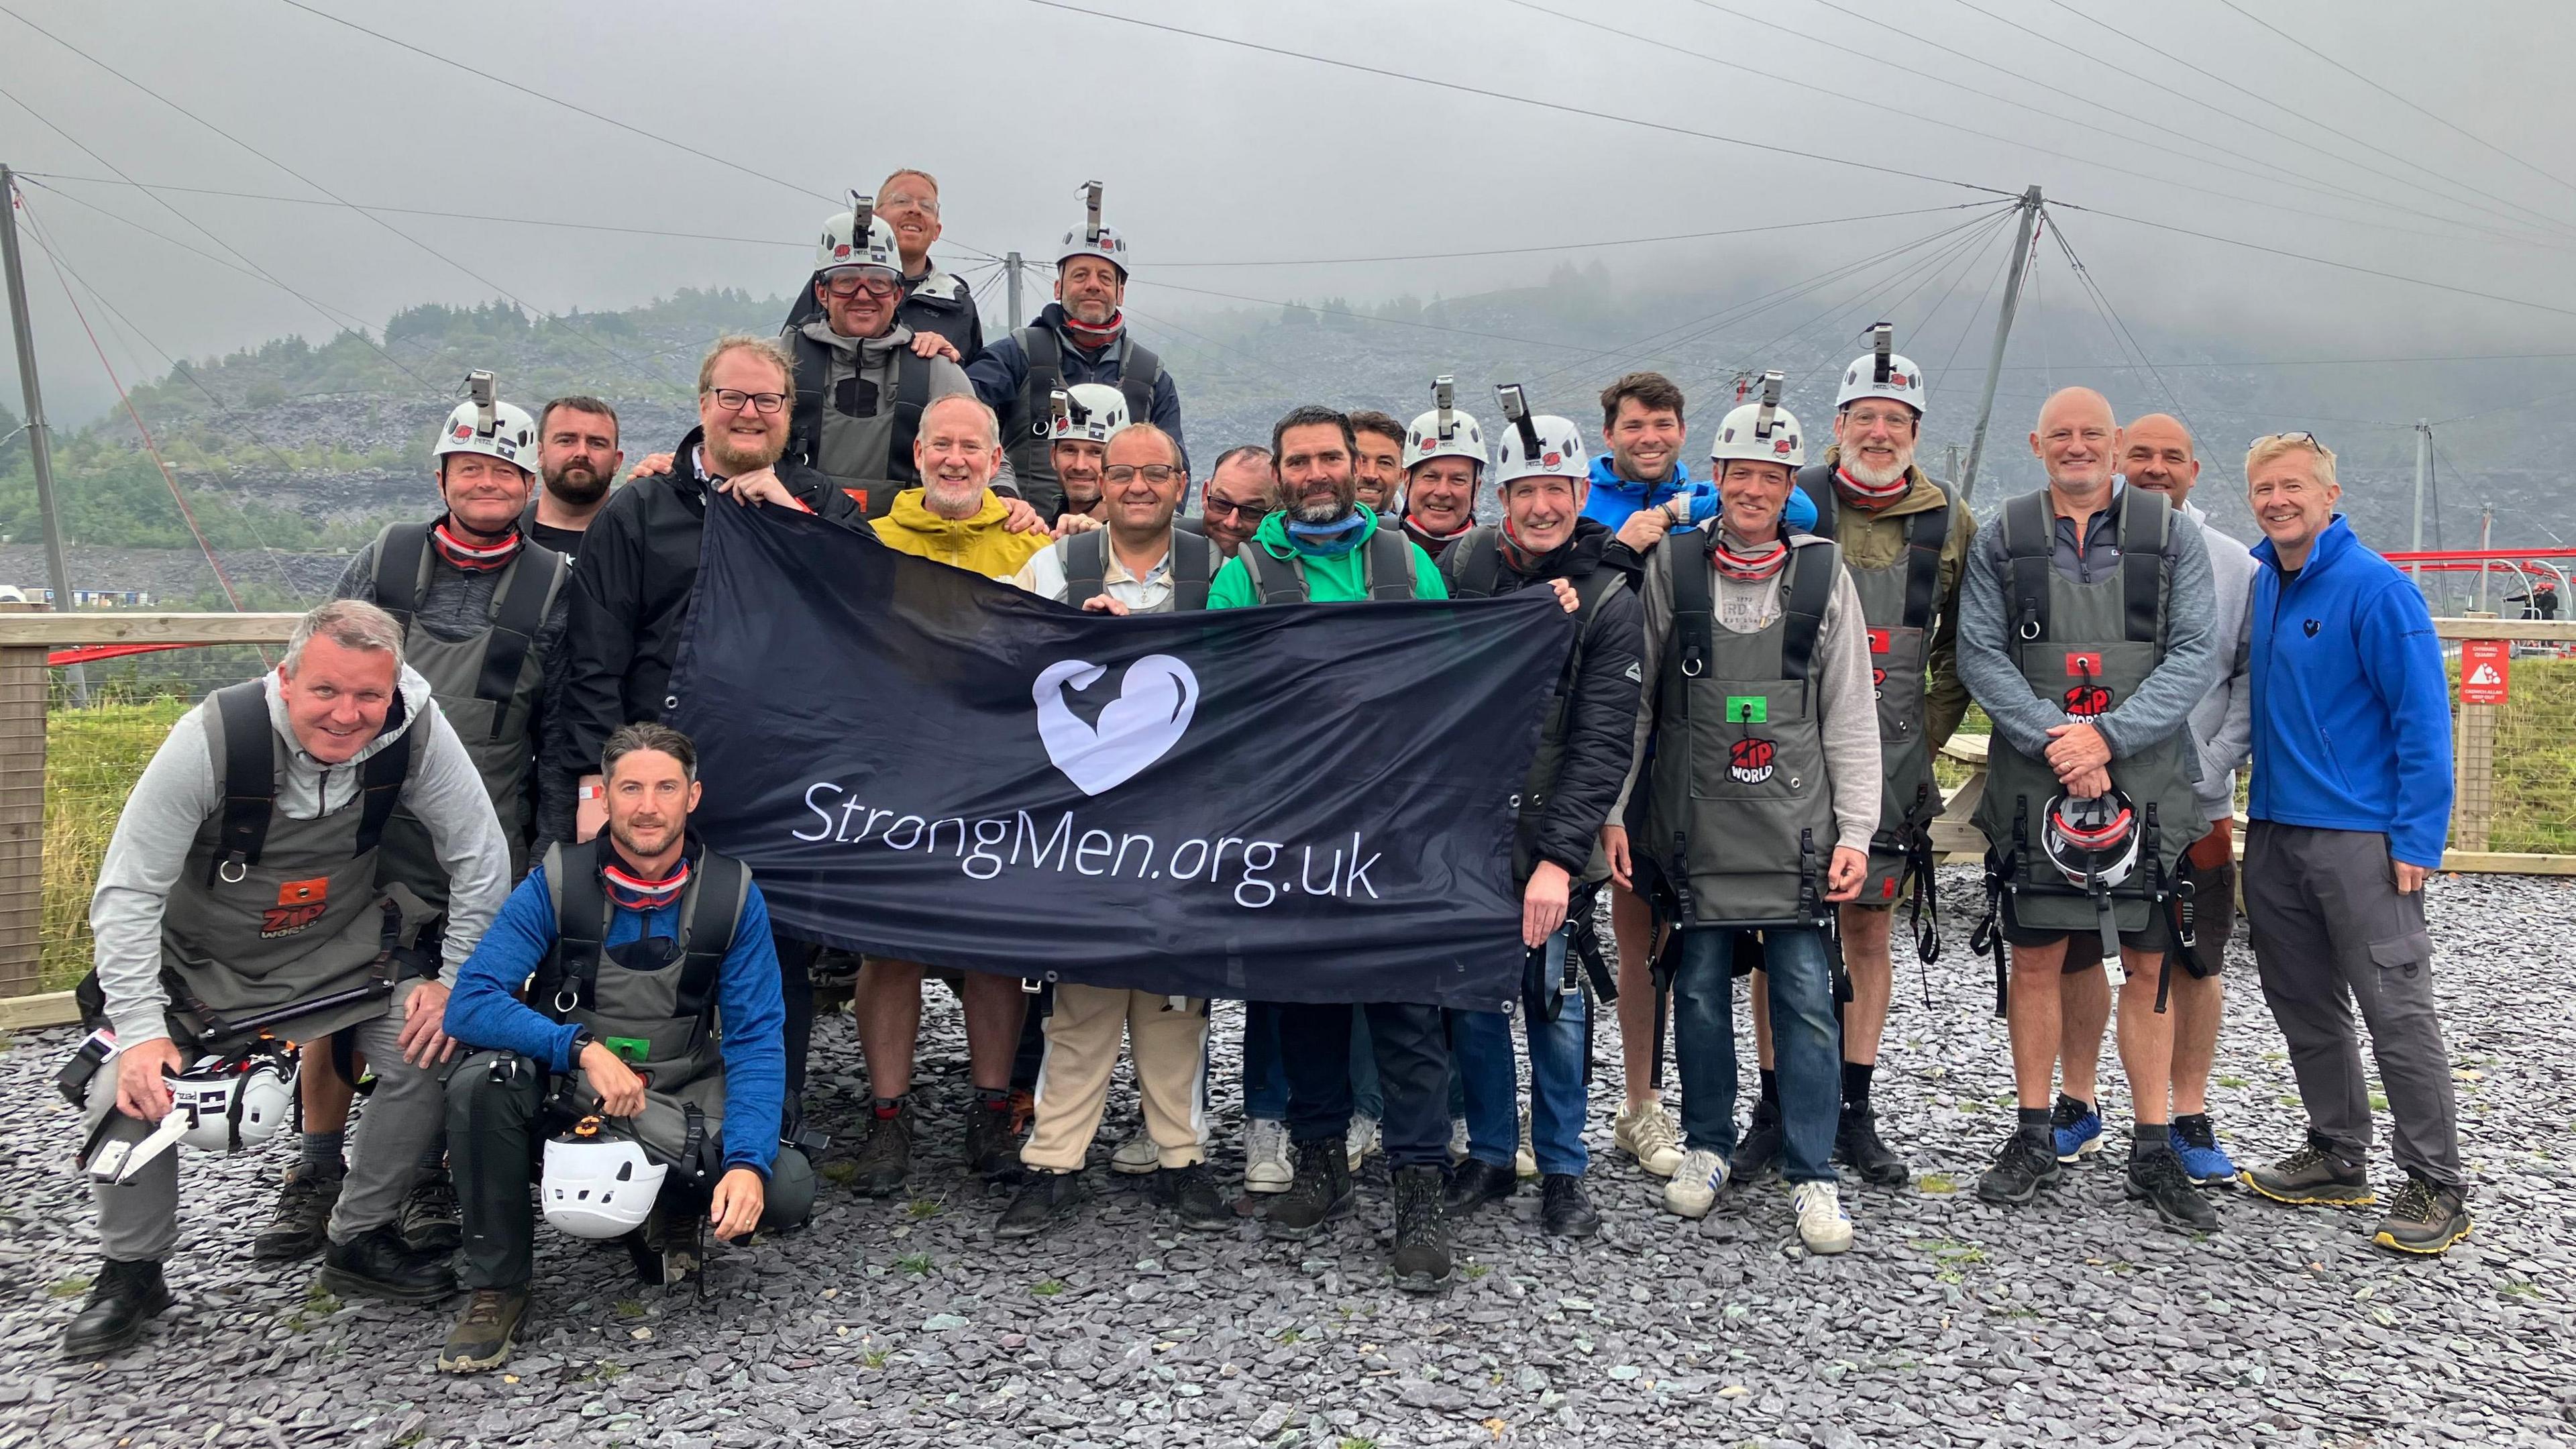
column 582, row 1039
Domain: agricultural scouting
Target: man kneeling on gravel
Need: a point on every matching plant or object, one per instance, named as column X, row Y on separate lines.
column 633, row 944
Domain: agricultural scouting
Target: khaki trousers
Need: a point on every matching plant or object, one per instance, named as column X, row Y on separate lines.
column 1169, row 1044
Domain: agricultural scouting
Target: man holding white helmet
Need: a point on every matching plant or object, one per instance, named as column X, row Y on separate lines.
column 1574, row 780
column 1080, row 420
column 1080, row 337
column 1905, row 541
column 1444, row 460
column 1761, row 796
column 237, row 906
column 632, row 945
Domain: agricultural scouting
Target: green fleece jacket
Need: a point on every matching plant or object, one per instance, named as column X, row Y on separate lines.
column 1330, row 578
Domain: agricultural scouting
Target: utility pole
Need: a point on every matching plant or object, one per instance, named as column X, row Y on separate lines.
column 1951, row 452
column 2486, row 529
column 2003, row 330
column 39, row 446
column 2423, row 467
column 1012, row 263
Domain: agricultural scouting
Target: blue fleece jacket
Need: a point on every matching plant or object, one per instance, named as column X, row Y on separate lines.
column 2352, row 710
column 1615, row 500
column 485, row 1012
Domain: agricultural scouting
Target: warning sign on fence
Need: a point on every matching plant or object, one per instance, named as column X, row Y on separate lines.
column 2486, row 670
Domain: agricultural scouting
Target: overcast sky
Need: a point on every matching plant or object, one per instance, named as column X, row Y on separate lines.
column 1215, row 152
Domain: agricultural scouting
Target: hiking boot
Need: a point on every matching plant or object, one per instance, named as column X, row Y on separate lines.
column 125, row 1297
column 485, row 1332
column 1190, row 1192
column 2075, row 1127
column 1646, row 1132
column 2312, row 1176
column 992, row 1148
column 1136, row 1155
column 1320, row 1192
column 1421, row 1258
column 2157, row 1179
column 2022, row 1168
column 1857, row 1147
column 1043, row 1199
column 2203, row 1160
column 1822, row 1224
column 671, row 1247
column 1363, row 1139
column 1475, row 1182
column 2425, row 1219
column 1563, row 1209
column 378, row 1264
column 1694, row 1188
column 429, row 1219
column 885, row 1158
column 303, row 1210
column 1757, row 1155
column 1266, row 1167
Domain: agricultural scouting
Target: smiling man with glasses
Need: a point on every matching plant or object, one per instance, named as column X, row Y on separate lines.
column 1240, row 492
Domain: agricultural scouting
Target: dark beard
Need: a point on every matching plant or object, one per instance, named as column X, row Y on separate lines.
column 579, row 495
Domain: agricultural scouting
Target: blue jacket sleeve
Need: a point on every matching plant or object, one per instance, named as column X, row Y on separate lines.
column 1704, row 504
column 755, row 1042
column 2402, row 660
column 484, row 1011
column 999, row 374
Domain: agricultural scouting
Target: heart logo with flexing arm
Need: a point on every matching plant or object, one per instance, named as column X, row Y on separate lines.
column 1137, row 728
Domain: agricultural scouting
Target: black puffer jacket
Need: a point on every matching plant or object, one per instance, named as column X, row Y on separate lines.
column 1601, row 718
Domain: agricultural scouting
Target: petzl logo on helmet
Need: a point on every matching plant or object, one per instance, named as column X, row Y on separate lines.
column 1140, row 726
column 1749, row 760
column 2085, row 701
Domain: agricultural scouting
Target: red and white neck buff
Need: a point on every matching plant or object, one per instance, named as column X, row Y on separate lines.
column 453, row 546
column 1096, row 334
column 631, row 891
column 1746, row 563
column 1429, row 540
column 1871, row 495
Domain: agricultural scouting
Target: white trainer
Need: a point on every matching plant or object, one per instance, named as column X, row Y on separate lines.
column 1695, row 1185
column 1363, row 1140
column 1269, row 1163
column 1524, row 1158
column 1822, row 1224
column 1136, row 1154
column 1648, row 1133
column 1457, row 1140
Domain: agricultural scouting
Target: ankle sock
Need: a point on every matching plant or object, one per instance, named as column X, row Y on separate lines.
column 2146, row 1139
column 1856, row 1077
column 322, row 1153
column 2034, row 1122
column 1770, row 1086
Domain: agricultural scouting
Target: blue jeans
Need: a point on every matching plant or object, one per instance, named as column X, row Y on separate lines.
column 1265, row 1078
column 1804, row 1040
column 1557, row 1098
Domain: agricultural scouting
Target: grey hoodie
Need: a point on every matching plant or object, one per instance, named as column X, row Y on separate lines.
column 177, row 795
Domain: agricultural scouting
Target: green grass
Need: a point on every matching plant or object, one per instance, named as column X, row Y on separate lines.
column 1047, row 1287
column 71, row 1287
column 921, row 1209
column 916, row 1264
column 92, row 757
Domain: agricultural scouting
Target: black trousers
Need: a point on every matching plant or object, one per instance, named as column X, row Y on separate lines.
column 1412, row 1045
column 796, row 991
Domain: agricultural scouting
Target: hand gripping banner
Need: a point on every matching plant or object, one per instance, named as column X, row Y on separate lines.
column 1306, row 803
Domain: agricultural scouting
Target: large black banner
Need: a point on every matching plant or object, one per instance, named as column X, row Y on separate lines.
column 1279, row 804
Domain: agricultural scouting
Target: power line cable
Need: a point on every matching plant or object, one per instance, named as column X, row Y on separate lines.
column 2119, row 326
column 1581, row 246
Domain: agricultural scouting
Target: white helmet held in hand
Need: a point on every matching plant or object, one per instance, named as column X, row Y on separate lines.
column 489, row 426
column 598, row 1186
column 857, row 237
column 1087, row 412
column 1881, row 373
column 1535, row 445
column 1444, row 432
column 1761, row 432
column 1091, row 239
column 238, row 1101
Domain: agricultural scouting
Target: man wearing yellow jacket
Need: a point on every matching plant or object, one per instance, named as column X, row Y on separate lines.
column 954, row 517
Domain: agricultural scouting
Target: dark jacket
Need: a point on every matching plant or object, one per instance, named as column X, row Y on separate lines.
column 1002, row 372
column 935, row 301
column 631, row 596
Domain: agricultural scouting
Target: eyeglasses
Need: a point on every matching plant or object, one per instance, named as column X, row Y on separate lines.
column 929, row 204
column 1213, row 507
column 2311, row 439
column 732, row 399
column 852, row 281
column 1157, row 474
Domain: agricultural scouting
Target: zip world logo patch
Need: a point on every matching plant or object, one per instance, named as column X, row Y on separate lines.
column 299, row 904
column 2085, row 701
column 1750, row 760
column 1140, row 726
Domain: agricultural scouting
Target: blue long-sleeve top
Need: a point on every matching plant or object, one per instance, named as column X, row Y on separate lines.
column 485, row 1012
column 2352, row 707
column 1615, row 499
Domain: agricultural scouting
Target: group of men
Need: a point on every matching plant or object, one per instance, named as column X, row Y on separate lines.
column 443, row 849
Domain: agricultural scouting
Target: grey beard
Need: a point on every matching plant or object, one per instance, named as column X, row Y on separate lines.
column 1877, row 477
column 1330, row 511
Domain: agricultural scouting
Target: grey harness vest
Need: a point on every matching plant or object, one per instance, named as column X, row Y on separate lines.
column 486, row 684
column 871, row 482
column 1386, row 570
column 1897, row 600
column 1032, row 458
column 1086, row 569
column 1740, row 816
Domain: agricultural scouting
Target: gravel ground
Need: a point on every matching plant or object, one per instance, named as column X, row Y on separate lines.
column 902, row 1322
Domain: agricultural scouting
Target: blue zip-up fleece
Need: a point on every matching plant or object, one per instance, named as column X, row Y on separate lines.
column 2352, row 710
column 1615, row 500
column 485, row 1011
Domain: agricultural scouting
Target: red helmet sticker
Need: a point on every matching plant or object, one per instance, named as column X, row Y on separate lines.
column 1783, row 444
column 1551, row 460
column 1897, row 379
column 465, row 430
column 1750, row 760
column 842, row 250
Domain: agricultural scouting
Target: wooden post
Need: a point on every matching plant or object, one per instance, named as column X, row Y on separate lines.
column 22, row 810
column 2473, row 773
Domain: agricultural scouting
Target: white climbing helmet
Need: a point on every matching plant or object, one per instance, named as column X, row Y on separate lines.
column 485, row 424
column 1761, row 432
column 857, row 237
column 1881, row 373
column 1087, row 412
column 598, row 1186
column 1535, row 445
column 237, row 1101
column 1091, row 239
column 1444, row 432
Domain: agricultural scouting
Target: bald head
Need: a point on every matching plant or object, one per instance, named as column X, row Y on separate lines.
column 2156, row 454
column 2078, row 443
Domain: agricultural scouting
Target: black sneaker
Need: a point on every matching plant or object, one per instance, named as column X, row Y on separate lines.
column 1563, row 1210
column 2157, row 1179
column 1474, row 1183
column 484, row 1333
column 1320, row 1192
column 992, row 1148
column 1856, row 1146
column 1190, row 1192
column 2425, row 1219
column 303, row 1210
column 2313, row 1176
column 1421, row 1260
column 1043, row 1199
column 125, row 1297
column 1757, row 1156
column 377, row 1264
column 429, row 1219
column 2023, row 1167
column 885, row 1158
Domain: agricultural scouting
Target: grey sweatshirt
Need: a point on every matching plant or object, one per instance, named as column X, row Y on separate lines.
column 2222, row 724
column 2159, row 706
column 1844, row 700
column 177, row 795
